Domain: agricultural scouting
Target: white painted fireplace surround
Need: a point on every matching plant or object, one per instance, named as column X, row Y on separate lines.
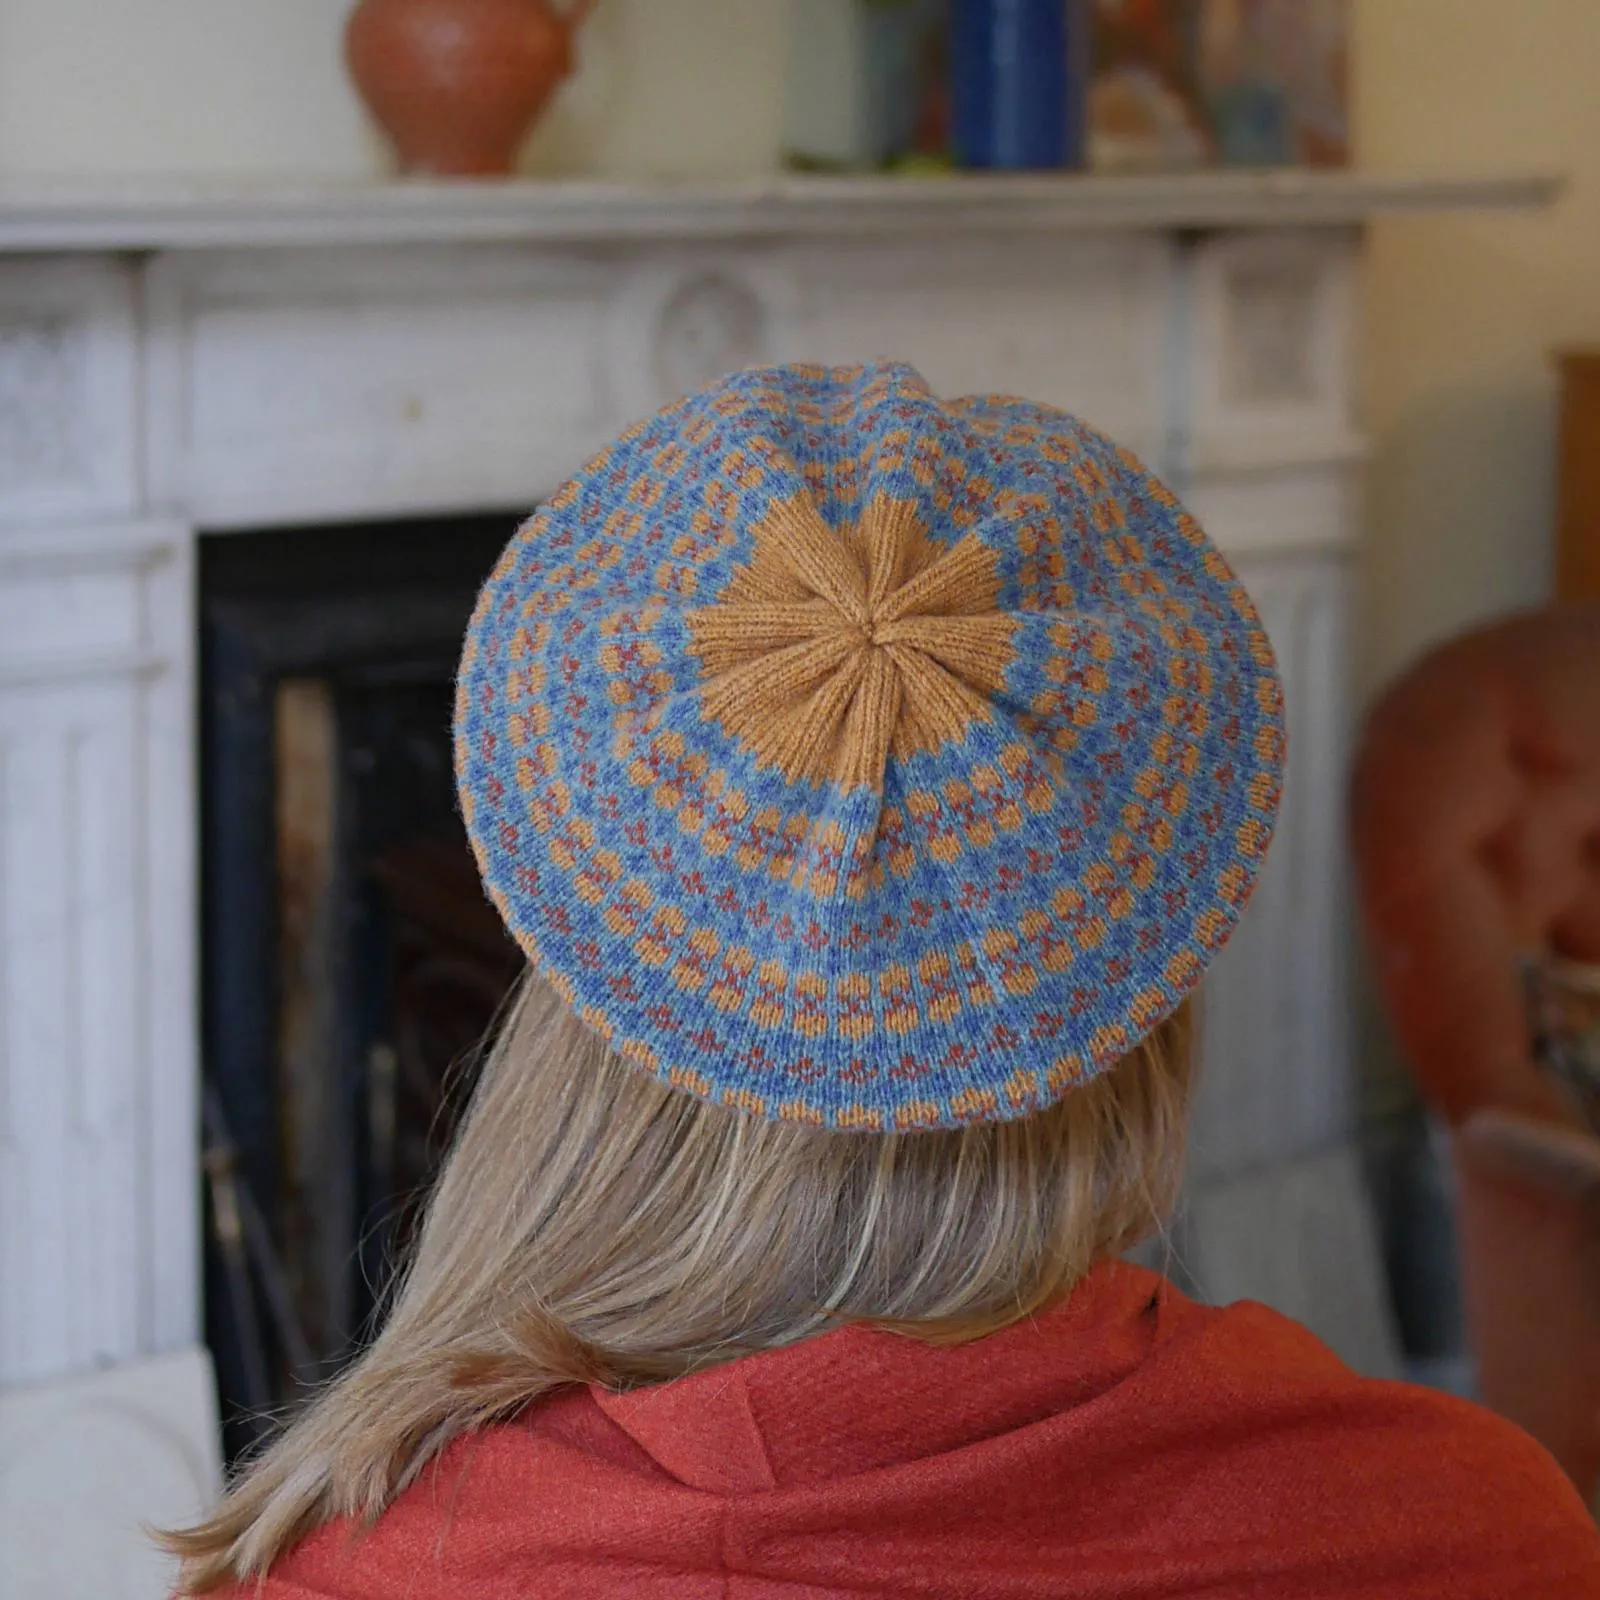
column 175, row 365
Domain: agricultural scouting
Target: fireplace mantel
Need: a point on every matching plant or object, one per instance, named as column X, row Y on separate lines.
column 179, row 362
column 171, row 216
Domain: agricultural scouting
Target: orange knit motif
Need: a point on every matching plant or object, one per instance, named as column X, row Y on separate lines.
column 831, row 650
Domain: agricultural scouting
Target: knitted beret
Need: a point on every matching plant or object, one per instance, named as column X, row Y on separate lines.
column 850, row 756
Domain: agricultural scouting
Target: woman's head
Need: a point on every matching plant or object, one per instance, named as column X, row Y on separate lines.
column 594, row 1225
column 869, row 779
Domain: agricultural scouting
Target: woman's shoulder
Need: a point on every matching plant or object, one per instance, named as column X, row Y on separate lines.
column 1260, row 1400
column 1259, row 1365
column 463, row 1523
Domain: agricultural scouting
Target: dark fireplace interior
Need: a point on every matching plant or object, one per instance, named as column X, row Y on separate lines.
column 351, row 963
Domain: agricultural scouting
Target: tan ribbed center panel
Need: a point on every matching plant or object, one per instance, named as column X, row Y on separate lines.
column 834, row 649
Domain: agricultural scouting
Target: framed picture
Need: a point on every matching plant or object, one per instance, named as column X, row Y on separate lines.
column 1189, row 83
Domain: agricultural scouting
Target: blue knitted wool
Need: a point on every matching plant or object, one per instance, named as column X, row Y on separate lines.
column 850, row 756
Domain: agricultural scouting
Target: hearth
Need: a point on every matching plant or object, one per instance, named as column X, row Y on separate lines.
column 351, row 965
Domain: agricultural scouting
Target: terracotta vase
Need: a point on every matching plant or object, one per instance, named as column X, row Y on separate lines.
column 457, row 83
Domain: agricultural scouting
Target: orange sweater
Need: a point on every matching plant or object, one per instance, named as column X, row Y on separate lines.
column 1130, row 1444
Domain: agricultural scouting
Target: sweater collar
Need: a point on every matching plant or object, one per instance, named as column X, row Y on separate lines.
column 858, row 1399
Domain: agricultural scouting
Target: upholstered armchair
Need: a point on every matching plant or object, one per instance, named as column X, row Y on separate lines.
column 1476, row 825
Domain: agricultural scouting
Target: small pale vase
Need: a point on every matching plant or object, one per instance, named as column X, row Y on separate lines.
column 456, row 84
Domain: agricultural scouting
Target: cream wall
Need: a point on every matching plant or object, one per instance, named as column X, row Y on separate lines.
column 190, row 86
column 256, row 87
column 1463, row 311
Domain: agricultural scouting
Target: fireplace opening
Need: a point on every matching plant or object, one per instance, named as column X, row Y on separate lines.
column 351, row 963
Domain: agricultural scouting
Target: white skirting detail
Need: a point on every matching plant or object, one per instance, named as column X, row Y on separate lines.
column 87, row 1465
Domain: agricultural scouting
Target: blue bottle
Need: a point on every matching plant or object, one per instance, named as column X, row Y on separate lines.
column 1018, row 72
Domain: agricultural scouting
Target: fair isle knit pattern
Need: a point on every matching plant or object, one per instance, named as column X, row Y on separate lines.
column 863, row 759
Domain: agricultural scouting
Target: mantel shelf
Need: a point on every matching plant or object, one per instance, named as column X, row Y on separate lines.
column 149, row 217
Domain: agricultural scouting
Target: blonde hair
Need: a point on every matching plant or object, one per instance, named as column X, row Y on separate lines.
column 592, row 1226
